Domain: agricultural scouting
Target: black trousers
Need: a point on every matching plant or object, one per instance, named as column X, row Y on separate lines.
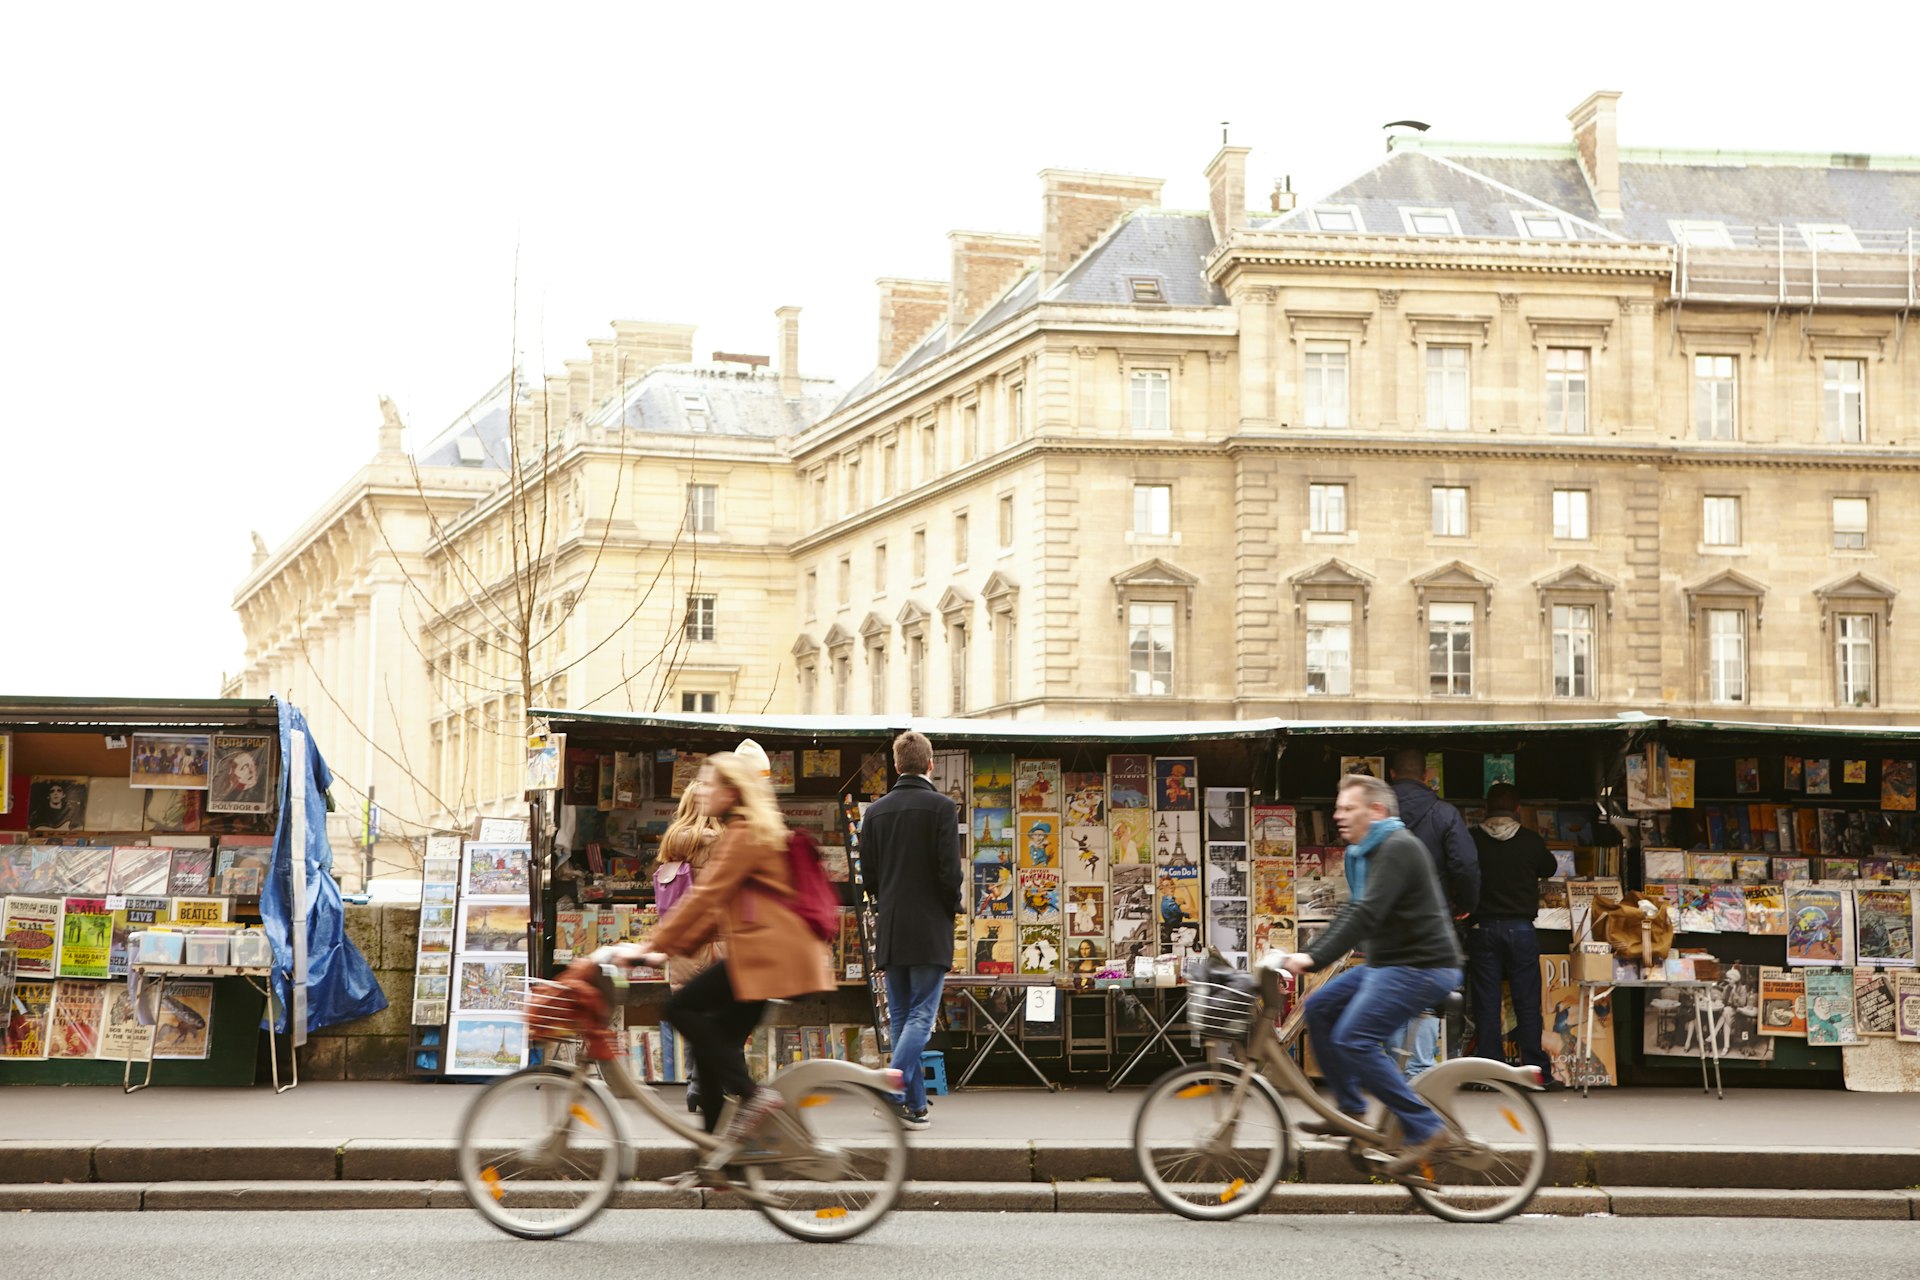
column 705, row 1014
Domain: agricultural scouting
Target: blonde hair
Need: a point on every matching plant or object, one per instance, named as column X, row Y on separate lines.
column 756, row 803
column 688, row 831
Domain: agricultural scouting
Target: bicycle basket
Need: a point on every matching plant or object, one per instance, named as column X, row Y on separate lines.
column 572, row 1008
column 1220, row 1010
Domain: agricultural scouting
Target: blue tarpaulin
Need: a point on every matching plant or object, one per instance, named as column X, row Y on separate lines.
column 340, row 983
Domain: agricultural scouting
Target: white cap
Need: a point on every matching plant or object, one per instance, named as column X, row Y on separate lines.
column 753, row 753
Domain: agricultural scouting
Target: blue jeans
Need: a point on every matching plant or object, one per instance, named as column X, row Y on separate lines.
column 913, row 997
column 1352, row 1018
column 1426, row 1045
column 1508, row 949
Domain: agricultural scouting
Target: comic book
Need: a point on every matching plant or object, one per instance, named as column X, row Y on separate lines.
column 1751, row 870
column 1906, row 1005
column 86, row 938
column 1785, row 869
column 1766, row 909
column 1830, row 1018
column 1664, row 865
column 1818, row 920
column 1709, row 866
column 1873, row 1001
column 1729, row 906
column 32, row 929
column 29, row 1023
column 1783, row 1003
column 78, row 1009
column 1884, row 926
column 1696, row 909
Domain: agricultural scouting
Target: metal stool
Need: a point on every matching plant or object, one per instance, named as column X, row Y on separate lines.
column 933, row 1069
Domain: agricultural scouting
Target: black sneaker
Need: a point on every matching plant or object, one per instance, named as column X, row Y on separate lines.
column 915, row 1120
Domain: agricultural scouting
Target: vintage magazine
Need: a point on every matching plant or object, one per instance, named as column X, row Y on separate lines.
column 1783, row 1004
column 29, row 1022
column 1883, row 923
column 184, row 1027
column 1830, row 1007
column 78, row 1008
column 1818, row 921
column 1906, row 1005
column 1580, row 896
column 1873, row 1001
column 1766, row 909
column 33, row 931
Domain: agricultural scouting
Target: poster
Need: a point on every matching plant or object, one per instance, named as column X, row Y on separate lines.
column 489, row 926
column 486, row 984
column 820, row 764
column 780, row 772
column 32, row 929
column 1817, row 932
column 1906, row 1005
column 544, row 754
column 1175, row 783
column 1363, row 766
column 1130, row 836
column 1039, row 841
column 184, row 1026
column 1575, row 1060
column 1783, row 1003
column 1129, row 782
column 1830, row 1007
column 873, row 775
column 496, row 870
column 1854, row 773
column 1873, row 1001
column 1495, row 768
column 1819, row 777
column 686, row 767
column 1226, row 814
column 1680, row 783
column 177, row 761
column 243, row 773
column 485, row 1044
column 122, row 1038
column 1897, row 785
column 86, row 939
column 1036, row 786
column 1274, row 831
column 78, row 1007
column 29, row 1023
column 1884, row 926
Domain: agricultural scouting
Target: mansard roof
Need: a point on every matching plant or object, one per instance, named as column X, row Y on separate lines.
column 715, row 400
column 483, row 427
column 1168, row 244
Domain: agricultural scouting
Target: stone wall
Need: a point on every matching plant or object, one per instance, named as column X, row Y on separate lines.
column 372, row 1048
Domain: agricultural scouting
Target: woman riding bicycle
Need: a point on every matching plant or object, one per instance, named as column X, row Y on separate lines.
column 770, row 953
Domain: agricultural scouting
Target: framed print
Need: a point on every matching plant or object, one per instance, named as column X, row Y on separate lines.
column 172, row 761
column 243, row 773
column 495, row 870
column 485, row 1044
column 487, row 984
column 491, row 926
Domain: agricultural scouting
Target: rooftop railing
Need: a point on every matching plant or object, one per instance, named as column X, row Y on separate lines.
column 1784, row 266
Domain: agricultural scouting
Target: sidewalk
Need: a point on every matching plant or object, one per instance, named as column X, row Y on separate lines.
column 342, row 1112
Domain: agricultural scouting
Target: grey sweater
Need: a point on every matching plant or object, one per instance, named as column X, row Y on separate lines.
column 1401, row 920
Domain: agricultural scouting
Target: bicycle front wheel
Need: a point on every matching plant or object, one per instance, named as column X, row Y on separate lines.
column 1210, row 1140
column 1499, row 1157
column 539, row 1153
column 846, row 1162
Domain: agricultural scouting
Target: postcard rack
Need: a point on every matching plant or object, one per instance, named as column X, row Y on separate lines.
column 260, row 979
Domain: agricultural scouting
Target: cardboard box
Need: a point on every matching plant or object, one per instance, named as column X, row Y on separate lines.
column 1593, row 962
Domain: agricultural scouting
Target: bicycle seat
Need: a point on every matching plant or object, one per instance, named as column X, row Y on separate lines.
column 1453, row 1002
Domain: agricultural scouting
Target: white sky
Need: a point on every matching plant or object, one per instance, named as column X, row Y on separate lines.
column 227, row 231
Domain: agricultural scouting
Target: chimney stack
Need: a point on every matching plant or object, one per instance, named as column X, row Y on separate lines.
column 909, row 311
column 789, row 350
column 984, row 264
column 1079, row 208
column 643, row 345
column 1283, row 198
column 1596, row 140
column 1227, row 191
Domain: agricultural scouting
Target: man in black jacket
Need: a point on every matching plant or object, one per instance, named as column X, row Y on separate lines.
column 1502, row 943
column 1444, row 832
column 1398, row 920
column 910, row 861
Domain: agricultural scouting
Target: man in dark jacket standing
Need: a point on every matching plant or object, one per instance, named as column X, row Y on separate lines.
column 1398, row 920
column 910, row 862
column 1455, row 862
column 1502, row 943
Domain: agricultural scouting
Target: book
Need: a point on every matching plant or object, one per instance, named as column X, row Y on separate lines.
column 86, row 938
column 32, row 929
column 78, row 1007
column 1729, row 906
column 1664, row 865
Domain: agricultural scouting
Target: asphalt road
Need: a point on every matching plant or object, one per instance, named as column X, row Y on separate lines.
column 926, row 1246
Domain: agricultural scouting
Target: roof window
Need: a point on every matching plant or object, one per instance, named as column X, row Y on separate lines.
column 695, row 407
column 1430, row 222
column 1700, row 233
column 1146, row 289
column 1829, row 237
column 469, row 451
column 1538, row 224
column 1336, row 217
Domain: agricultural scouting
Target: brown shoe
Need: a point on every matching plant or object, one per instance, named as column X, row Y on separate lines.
column 1328, row 1129
column 1416, row 1159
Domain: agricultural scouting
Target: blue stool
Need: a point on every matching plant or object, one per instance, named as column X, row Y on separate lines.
column 933, row 1069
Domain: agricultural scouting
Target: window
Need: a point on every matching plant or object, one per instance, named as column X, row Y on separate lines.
column 854, row 493
column 1567, row 390
column 809, row 680
column 1153, row 509
column 1152, row 392
column 1713, row 397
column 1850, row 524
column 877, row 677
column 970, row 430
column 960, row 538
column 700, row 610
column 1429, row 222
column 1007, row 655
column 1845, row 388
column 1573, row 651
column 842, row 679
column 1450, row 650
column 703, row 503
column 700, row 703
column 1700, row 234
column 1449, row 511
column 1539, row 225
column 1853, row 656
column 1336, row 218
column 1570, row 522
column 1720, row 521
column 1150, row 647
column 1726, row 655
column 889, row 469
column 1447, row 388
column 846, row 580
column 1146, row 289
column 879, row 568
column 1829, row 237
column 1006, row 520
column 957, row 652
column 1326, row 384
column 1329, row 647
column 919, row 555
column 916, row 673
column 810, row 595
column 1017, row 411
column 819, row 497
column 1327, row 508
column 929, row 452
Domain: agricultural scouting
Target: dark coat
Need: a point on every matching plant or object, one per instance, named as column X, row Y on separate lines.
column 1444, row 832
column 910, row 861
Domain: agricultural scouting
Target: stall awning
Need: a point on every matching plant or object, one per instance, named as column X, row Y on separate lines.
column 88, row 713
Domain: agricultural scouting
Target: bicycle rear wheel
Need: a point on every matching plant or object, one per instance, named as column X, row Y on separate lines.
column 1499, row 1158
column 1206, row 1148
column 847, row 1163
column 539, row 1153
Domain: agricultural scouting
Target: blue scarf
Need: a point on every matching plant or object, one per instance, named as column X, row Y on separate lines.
column 1357, row 853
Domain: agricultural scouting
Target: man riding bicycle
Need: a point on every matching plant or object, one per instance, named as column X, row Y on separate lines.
column 1397, row 919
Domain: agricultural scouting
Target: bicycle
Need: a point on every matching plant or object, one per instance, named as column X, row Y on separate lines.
column 541, row 1152
column 1212, row 1139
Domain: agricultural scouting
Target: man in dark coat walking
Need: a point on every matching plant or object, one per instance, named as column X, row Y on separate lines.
column 910, row 862
column 1456, row 864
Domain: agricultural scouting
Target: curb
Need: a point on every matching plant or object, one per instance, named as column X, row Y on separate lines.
column 967, row 1197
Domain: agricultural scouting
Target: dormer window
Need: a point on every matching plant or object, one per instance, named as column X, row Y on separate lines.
column 471, row 454
column 1537, row 224
column 1700, row 233
column 695, row 407
column 1146, row 289
column 1336, row 218
column 1829, row 237
column 1430, row 222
